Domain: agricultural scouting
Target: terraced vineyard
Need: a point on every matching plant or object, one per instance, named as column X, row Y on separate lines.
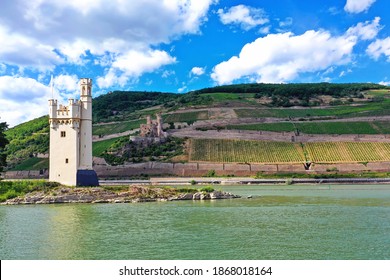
column 333, row 152
column 375, row 127
column 186, row 117
column 220, row 150
column 368, row 109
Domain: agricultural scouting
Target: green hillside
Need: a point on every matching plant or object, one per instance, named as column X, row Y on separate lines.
column 122, row 111
column 26, row 140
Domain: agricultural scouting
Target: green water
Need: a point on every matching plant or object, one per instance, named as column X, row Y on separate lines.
column 279, row 222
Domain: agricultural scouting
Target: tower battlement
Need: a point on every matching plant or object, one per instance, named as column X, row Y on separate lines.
column 60, row 111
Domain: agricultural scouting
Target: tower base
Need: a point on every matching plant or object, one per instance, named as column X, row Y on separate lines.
column 87, row 178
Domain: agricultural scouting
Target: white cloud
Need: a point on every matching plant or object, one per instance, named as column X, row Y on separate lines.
column 132, row 65
column 265, row 29
column 287, row 22
column 379, row 47
column 358, row 6
column 367, row 30
column 197, row 71
column 168, row 73
column 182, row 89
column 67, row 83
column 282, row 57
column 384, row 83
column 22, row 50
column 65, row 31
column 245, row 16
column 22, row 99
column 111, row 78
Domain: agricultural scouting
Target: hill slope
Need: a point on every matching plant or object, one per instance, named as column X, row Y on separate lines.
column 234, row 107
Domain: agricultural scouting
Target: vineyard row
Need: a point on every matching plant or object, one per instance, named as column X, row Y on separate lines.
column 221, row 150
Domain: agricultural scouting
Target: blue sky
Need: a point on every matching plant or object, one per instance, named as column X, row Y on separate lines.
column 183, row 45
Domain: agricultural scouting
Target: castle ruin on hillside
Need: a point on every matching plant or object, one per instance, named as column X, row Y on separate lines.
column 153, row 128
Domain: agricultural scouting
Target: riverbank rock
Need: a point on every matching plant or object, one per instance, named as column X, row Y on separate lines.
column 102, row 195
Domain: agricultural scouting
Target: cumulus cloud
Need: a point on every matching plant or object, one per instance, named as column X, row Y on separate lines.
column 197, row 71
column 21, row 99
column 66, row 83
column 41, row 34
column 384, row 83
column 379, row 47
column 282, row 57
column 287, row 22
column 120, row 37
column 358, row 6
column 132, row 64
column 22, row 50
column 244, row 16
column 367, row 30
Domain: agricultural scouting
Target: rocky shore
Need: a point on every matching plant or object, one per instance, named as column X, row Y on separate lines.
column 101, row 195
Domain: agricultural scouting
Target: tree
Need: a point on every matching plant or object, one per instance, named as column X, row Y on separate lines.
column 3, row 143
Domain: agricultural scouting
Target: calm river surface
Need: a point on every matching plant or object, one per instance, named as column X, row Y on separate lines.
column 279, row 222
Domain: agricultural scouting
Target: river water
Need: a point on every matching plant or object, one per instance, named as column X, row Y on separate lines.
column 278, row 222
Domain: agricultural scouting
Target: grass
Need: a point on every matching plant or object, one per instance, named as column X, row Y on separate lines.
column 107, row 129
column 220, row 97
column 32, row 164
column 378, row 92
column 186, row 117
column 98, row 148
column 337, row 128
column 11, row 189
column 367, row 109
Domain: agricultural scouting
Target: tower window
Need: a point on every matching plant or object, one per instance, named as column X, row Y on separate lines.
column 63, row 134
column 66, row 160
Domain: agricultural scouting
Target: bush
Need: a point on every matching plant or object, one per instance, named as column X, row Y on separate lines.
column 211, row 173
column 207, row 189
column 186, row 190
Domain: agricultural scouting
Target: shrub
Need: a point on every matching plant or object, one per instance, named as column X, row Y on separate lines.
column 207, row 189
column 211, row 173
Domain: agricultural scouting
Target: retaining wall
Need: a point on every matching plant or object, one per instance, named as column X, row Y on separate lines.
column 201, row 169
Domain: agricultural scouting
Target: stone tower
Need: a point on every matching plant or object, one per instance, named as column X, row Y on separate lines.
column 71, row 140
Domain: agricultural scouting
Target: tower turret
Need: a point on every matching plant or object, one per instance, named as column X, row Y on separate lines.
column 86, row 124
